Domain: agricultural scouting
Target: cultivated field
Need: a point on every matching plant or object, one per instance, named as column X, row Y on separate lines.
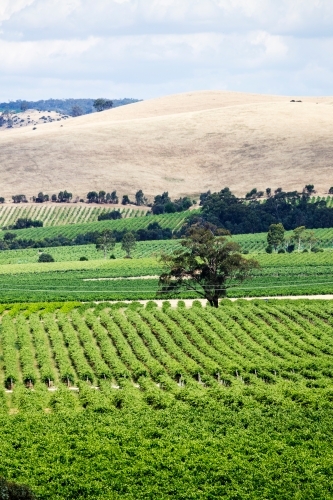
column 246, row 340
column 135, row 279
column 136, row 403
column 53, row 214
column 185, row 144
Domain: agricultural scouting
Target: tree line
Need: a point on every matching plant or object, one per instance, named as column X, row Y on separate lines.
column 162, row 203
column 251, row 215
column 301, row 239
column 65, row 106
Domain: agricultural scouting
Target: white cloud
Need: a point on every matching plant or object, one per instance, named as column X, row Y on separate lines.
column 143, row 48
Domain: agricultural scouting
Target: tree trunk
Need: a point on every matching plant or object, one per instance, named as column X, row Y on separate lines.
column 215, row 301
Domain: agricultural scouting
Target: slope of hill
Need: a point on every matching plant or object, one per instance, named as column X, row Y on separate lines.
column 186, row 144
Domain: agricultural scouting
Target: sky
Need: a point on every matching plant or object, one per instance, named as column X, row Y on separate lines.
column 149, row 48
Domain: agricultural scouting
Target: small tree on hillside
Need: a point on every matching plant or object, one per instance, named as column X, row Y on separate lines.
column 64, row 196
column 106, row 242
column 128, row 243
column 125, row 200
column 76, row 111
column 102, row 104
column 140, row 198
column 208, row 263
column 114, row 198
column 275, row 236
column 101, row 196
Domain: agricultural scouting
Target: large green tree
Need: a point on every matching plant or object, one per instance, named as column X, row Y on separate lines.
column 275, row 235
column 208, row 263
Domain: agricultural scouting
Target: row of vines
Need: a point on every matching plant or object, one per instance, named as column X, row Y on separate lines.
column 170, row 347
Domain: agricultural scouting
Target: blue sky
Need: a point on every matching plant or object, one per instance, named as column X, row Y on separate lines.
column 149, row 48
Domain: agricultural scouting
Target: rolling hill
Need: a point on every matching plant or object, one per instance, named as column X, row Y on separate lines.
column 184, row 144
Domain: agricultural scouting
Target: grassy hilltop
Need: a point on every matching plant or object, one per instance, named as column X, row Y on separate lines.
column 184, row 144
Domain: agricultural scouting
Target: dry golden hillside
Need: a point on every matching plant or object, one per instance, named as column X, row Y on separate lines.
column 184, row 144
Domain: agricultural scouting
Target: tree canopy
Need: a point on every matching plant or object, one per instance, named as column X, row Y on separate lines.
column 240, row 216
column 102, row 104
column 208, row 263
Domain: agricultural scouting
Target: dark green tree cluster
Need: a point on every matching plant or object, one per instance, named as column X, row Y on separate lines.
column 23, row 223
column 63, row 196
column 140, row 198
column 45, row 257
column 102, row 197
column 163, row 204
column 113, row 215
column 102, row 104
column 240, row 216
column 19, row 198
column 41, row 197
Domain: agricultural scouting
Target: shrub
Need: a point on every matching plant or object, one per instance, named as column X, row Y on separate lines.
column 45, row 257
column 281, row 250
column 269, row 249
column 115, row 214
column 83, row 258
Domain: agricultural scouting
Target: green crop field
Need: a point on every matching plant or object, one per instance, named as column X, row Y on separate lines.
column 172, row 221
column 59, row 215
column 280, row 274
column 135, row 403
column 143, row 249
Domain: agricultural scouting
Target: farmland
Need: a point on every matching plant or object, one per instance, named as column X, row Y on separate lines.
column 60, row 215
column 105, row 400
column 237, row 400
column 280, row 274
column 172, row 221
